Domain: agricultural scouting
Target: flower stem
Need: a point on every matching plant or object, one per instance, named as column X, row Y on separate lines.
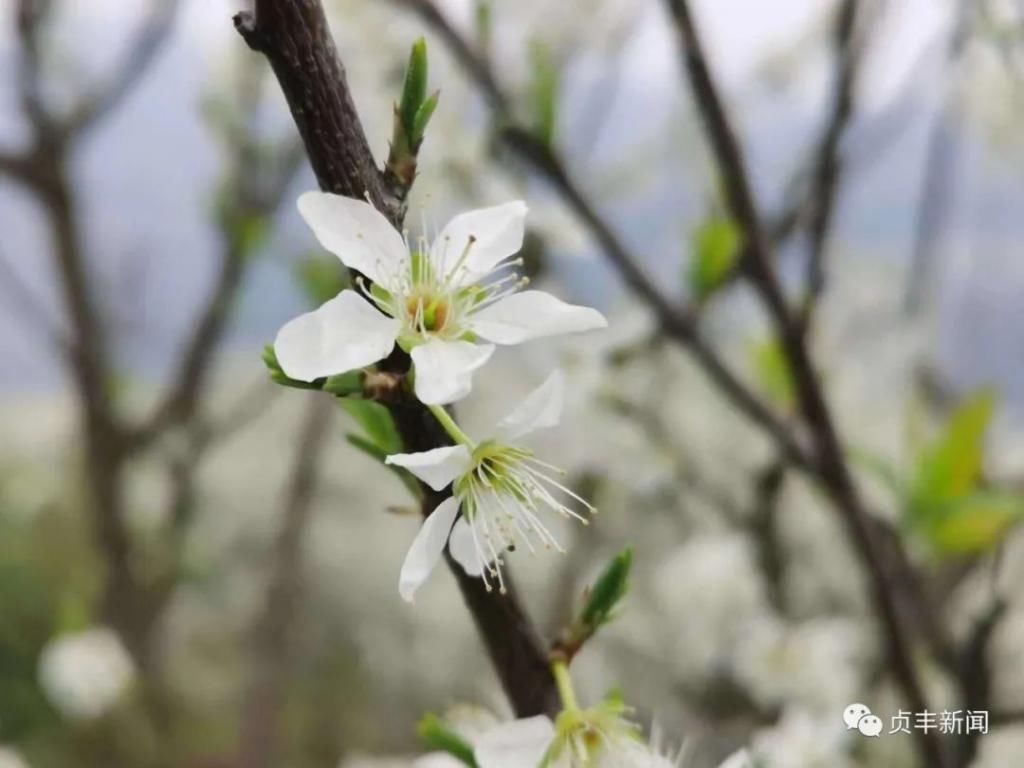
column 451, row 427
column 563, row 681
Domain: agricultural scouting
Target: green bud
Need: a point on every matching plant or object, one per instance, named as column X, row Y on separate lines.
column 414, row 89
column 610, row 587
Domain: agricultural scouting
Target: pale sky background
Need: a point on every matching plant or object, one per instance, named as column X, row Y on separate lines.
column 149, row 168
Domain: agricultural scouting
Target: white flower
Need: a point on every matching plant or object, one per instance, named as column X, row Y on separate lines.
column 83, row 674
column 595, row 738
column 435, row 301
column 501, row 490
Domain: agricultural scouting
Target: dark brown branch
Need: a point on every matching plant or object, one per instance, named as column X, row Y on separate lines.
column 832, row 470
column 296, row 40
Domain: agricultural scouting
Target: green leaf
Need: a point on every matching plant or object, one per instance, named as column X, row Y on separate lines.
column 376, row 422
column 543, row 92
column 422, row 117
column 771, row 368
column 414, row 89
column 611, row 586
column 716, row 247
column 321, row 278
column 976, row 523
column 375, row 452
column 950, row 467
column 436, row 735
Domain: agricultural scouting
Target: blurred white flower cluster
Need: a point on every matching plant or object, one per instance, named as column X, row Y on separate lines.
column 85, row 673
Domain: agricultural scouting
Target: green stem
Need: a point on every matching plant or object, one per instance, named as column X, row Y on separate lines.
column 563, row 681
column 451, row 427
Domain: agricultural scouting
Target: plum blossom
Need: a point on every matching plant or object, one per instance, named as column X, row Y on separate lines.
column 597, row 738
column 447, row 303
column 500, row 491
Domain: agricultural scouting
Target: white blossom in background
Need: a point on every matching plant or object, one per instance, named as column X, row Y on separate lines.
column 802, row 740
column 10, row 758
column 500, row 492
column 85, row 673
column 436, row 301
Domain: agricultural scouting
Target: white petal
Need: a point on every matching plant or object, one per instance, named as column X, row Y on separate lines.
column 463, row 549
column 437, row 467
column 518, row 744
column 531, row 315
column 542, row 408
column 426, row 548
column 496, row 233
column 357, row 233
column 444, row 369
column 345, row 333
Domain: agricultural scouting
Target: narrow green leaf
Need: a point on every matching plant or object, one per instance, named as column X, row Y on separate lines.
column 414, row 89
column 611, row 586
column 377, row 424
column 976, row 523
column 951, row 465
column 436, row 735
column 716, row 247
column 422, row 117
column 344, row 384
column 772, row 371
column 543, row 91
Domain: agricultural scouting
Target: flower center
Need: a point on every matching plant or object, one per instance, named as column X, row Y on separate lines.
column 427, row 312
column 503, row 498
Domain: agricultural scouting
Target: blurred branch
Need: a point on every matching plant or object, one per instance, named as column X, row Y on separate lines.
column 676, row 323
column 296, row 40
column 273, row 630
column 828, row 166
column 146, row 43
column 34, row 312
column 884, row 569
column 937, row 182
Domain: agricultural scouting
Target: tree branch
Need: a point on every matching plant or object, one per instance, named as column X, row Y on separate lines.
column 883, row 570
column 295, row 39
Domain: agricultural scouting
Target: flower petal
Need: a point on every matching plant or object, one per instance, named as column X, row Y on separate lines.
column 517, row 744
column 426, row 548
column 463, row 548
column 542, row 408
column 496, row 233
column 438, row 467
column 345, row 333
column 531, row 315
column 444, row 369
column 357, row 233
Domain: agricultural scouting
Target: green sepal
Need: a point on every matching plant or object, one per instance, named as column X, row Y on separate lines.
column 436, row 735
column 344, row 384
